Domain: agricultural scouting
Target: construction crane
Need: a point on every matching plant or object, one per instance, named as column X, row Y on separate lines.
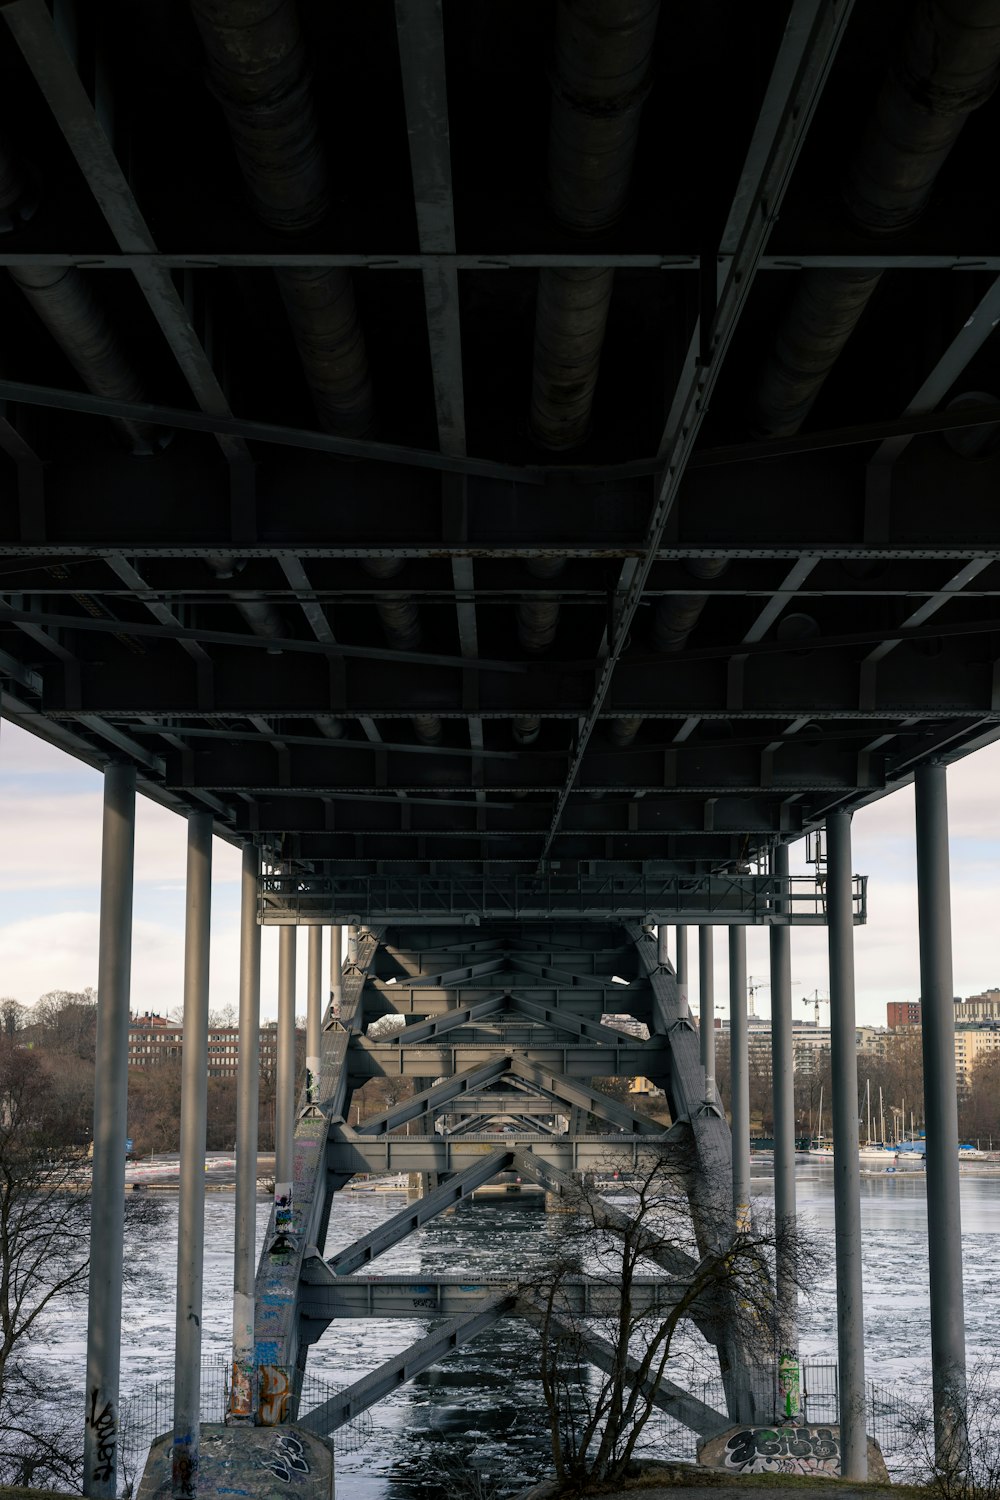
column 753, row 985
column 816, row 1002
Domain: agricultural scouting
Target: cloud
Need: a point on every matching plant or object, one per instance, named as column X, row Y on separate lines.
column 58, row 837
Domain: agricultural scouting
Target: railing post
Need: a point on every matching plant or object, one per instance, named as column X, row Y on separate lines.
column 846, row 1163
column 107, row 1203
column 191, row 1206
column 241, row 1395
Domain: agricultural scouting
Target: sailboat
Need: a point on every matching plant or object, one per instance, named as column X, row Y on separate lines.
column 817, row 1147
column 875, row 1153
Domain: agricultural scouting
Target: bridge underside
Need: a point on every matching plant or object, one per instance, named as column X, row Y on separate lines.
column 512, row 470
column 499, row 1023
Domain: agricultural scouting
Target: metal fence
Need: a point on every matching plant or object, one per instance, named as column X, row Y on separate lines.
column 893, row 1418
column 149, row 1411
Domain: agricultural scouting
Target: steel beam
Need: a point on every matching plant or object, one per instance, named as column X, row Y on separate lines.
column 360, row 1252
column 334, row 1413
column 107, row 1203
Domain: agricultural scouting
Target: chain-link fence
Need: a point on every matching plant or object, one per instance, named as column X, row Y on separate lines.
column 149, row 1411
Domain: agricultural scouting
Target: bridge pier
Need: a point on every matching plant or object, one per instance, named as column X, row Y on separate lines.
column 681, row 970
column 101, row 1427
column 846, row 1164
column 739, row 1073
column 706, row 1013
column 336, row 971
column 284, row 1104
column 783, row 1093
column 241, row 1396
column 191, row 1206
column 944, row 1213
column 314, row 1015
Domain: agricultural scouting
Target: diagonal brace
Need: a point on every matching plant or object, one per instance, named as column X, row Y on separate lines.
column 400, row 1225
column 347, row 1404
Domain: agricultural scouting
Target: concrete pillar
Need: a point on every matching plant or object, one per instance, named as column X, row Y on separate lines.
column 241, row 1396
column 944, row 1214
column 101, row 1429
column 681, row 968
column 191, row 1206
column 739, row 1072
column 314, row 1014
column 706, row 1016
column 846, row 1164
column 284, row 1106
column 336, row 970
column 783, row 1095
column 662, row 956
column 352, row 945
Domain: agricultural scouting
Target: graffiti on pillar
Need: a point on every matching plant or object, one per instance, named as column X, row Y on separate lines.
column 788, row 1385
column 287, row 1459
column 105, row 1429
column 312, row 1080
column 241, row 1390
column 184, row 1466
column 282, row 1208
column 783, row 1450
column 272, row 1407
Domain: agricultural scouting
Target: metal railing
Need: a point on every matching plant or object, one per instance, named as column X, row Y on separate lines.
column 643, row 896
column 149, row 1411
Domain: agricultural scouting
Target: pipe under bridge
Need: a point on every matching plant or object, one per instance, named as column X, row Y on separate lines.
column 498, row 1022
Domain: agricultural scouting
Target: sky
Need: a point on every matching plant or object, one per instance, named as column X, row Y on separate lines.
column 50, row 813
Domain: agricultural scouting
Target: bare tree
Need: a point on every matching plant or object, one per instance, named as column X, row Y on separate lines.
column 618, row 1298
column 44, row 1263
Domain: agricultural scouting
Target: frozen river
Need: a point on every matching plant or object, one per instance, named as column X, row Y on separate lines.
column 484, row 1403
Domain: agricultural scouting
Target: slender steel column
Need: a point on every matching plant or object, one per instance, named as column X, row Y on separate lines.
column 248, row 1070
column 846, row 1164
column 783, row 1096
column 739, row 1073
column 944, row 1214
column 284, row 1104
column 194, row 1116
column 336, row 970
column 314, row 1014
column 662, row 955
column 706, row 1013
column 107, row 1204
column 681, row 968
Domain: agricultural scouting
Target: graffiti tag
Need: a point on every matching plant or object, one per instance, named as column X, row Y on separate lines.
column 106, row 1428
column 272, row 1409
column 287, row 1459
column 783, row 1450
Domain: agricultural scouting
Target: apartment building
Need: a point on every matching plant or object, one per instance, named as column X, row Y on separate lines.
column 152, row 1039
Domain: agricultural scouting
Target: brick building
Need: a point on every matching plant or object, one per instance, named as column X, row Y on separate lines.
column 152, row 1040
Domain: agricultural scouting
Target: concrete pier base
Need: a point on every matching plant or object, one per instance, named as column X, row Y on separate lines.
column 265, row 1462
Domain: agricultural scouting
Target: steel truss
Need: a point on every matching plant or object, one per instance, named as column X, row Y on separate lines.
column 496, row 1070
